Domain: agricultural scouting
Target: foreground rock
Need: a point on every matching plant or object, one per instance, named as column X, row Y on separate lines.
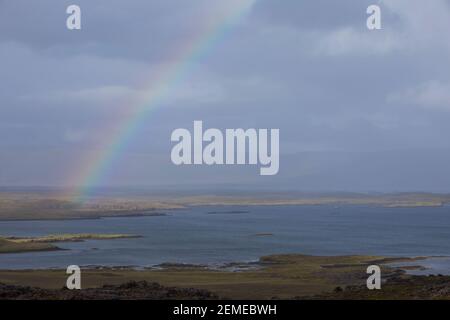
column 132, row 290
column 397, row 288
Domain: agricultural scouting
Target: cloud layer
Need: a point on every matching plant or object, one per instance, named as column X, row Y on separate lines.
column 353, row 106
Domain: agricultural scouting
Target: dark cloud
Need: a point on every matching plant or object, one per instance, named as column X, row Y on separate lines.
column 348, row 101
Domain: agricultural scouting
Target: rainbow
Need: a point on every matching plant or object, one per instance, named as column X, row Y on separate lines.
column 118, row 134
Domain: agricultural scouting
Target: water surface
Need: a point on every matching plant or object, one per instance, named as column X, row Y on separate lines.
column 194, row 235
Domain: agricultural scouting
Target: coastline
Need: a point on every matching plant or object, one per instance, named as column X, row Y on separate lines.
column 281, row 276
column 35, row 206
column 288, row 276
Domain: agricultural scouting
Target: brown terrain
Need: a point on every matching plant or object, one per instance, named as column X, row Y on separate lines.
column 396, row 288
column 46, row 206
column 274, row 277
column 131, row 290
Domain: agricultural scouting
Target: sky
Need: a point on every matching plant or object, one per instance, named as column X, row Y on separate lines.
column 358, row 110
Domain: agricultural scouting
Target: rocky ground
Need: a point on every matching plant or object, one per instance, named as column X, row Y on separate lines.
column 397, row 288
column 404, row 288
column 132, row 290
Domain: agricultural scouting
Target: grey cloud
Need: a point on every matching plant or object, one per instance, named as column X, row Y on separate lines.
column 348, row 102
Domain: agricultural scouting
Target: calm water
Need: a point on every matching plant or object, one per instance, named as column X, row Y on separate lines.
column 194, row 236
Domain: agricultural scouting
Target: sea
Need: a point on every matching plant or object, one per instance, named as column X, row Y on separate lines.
column 218, row 235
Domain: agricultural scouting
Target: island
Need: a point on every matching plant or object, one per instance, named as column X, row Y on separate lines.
column 44, row 243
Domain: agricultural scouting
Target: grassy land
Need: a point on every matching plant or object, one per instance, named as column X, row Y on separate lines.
column 281, row 276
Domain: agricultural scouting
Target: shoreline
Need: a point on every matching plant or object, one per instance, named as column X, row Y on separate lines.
column 277, row 276
column 394, row 262
column 38, row 207
column 138, row 214
column 284, row 276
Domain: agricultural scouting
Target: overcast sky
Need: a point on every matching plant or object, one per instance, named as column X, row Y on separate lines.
column 357, row 110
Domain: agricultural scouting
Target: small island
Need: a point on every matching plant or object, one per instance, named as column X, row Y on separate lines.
column 44, row 243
